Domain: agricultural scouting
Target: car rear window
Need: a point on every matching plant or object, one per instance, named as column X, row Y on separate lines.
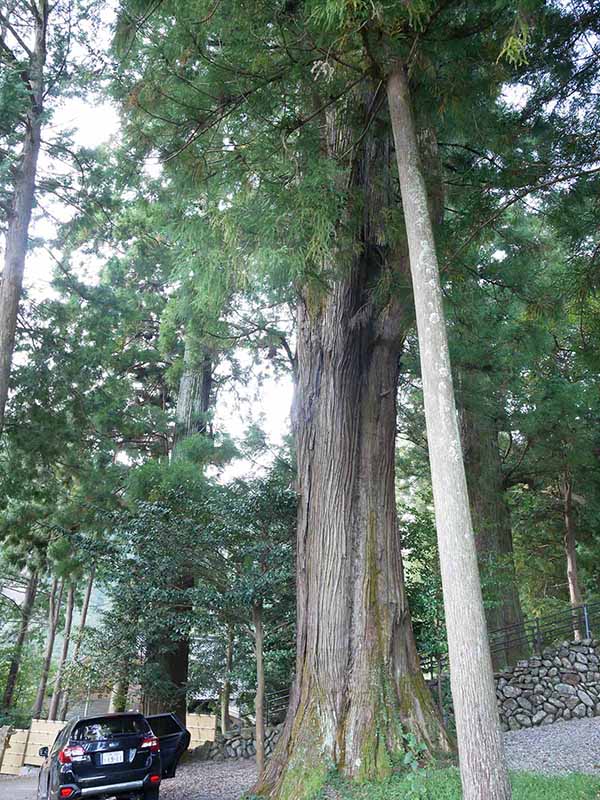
column 93, row 730
column 164, row 725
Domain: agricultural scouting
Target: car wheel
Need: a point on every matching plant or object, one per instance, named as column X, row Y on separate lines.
column 151, row 794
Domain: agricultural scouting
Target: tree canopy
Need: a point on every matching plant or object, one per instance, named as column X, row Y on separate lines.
column 328, row 195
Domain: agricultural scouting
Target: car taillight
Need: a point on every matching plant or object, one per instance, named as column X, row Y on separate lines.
column 69, row 754
column 66, row 791
column 154, row 778
column 150, row 743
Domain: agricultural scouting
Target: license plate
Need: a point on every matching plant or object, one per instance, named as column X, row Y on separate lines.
column 112, row 758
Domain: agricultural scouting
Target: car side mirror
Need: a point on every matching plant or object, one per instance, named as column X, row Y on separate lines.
column 43, row 752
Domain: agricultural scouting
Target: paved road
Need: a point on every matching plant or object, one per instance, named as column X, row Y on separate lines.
column 17, row 788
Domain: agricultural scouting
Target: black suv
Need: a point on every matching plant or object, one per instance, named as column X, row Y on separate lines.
column 116, row 755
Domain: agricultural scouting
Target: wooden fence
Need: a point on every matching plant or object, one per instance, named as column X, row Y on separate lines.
column 202, row 727
column 23, row 745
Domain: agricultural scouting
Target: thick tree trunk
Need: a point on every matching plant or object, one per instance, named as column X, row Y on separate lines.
column 259, row 703
column 54, row 604
column 178, row 663
column 226, row 688
column 15, row 661
column 22, row 203
column 482, row 762
column 194, row 398
column 118, row 697
column 570, row 542
column 491, row 521
column 358, row 683
column 193, row 407
column 64, row 706
column 56, row 692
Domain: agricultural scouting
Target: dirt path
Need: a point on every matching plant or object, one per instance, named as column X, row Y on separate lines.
column 210, row 781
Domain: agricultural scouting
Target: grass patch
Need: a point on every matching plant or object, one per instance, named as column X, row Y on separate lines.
column 444, row 784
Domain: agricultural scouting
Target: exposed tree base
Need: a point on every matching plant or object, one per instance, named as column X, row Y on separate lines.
column 307, row 755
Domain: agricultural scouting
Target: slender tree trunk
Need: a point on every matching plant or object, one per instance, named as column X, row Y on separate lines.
column 226, row 690
column 259, row 703
column 54, row 604
column 56, row 692
column 358, row 680
column 22, row 203
column 570, row 542
column 64, row 706
column 491, row 520
column 15, row 661
column 482, row 762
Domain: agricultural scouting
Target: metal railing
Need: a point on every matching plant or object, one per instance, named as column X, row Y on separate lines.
column 530, row 637
column 276, row 704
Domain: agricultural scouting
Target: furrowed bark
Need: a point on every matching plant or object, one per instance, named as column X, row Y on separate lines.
column 194, row 398
column 54, row 604
column 259, row 703
column 56, row 693
column 358, row 683
column 64, row 706
column 15, row 661
column 22, row 204
column 491, row 520
column 482, row 763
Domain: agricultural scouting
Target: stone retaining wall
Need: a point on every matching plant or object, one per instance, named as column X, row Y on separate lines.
column 562, row 683
column 237, row 744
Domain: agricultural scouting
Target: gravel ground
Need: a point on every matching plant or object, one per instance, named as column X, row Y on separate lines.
column 200, row 781
column 557, row 749
column 16, row 788
column 203, row 780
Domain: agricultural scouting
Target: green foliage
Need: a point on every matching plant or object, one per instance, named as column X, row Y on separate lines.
column 422, row 576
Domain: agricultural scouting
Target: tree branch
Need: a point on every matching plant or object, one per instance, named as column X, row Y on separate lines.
column 15, row 34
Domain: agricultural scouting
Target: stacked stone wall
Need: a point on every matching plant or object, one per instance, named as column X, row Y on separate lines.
column 237, row 743
column 561, row 684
